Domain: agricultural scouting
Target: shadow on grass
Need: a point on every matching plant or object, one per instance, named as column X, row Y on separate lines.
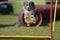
column 14, row 14
column 10, row 14
column 4, row 25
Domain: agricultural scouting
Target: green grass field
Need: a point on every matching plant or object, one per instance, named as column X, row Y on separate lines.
column 8, row 21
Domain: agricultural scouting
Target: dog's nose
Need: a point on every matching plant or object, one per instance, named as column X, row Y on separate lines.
column 28, row 9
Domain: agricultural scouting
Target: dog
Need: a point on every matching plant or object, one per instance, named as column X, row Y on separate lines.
column 29, row 13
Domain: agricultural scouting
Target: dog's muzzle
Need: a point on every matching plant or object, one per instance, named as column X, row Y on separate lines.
column 28, row 8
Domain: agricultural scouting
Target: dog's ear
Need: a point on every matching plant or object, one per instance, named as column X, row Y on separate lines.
column 33, row 4
column 25, row 2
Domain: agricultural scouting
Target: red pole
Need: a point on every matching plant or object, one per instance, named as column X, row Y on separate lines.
column 51, row 20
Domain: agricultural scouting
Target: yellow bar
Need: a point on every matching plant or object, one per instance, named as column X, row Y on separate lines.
column 55, row 15
column 26, row 36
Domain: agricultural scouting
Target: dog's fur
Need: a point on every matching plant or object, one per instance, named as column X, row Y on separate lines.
column 29, row 11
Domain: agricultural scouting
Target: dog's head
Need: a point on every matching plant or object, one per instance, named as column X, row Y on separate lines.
column 29, row 6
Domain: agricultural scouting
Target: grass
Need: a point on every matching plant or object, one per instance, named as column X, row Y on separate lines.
column 56, row 33
column 24, row 31
column 8, row 20
column 8, row 29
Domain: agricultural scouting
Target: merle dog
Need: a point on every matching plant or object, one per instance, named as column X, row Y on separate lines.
column 29, row 12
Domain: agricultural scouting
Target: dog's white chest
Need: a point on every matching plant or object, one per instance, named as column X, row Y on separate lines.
column 27, row 13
